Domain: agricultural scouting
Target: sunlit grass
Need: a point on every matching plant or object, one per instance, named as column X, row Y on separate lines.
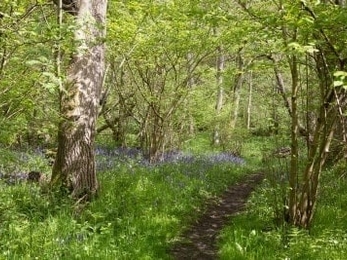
column 139, row 213
column 255, row 235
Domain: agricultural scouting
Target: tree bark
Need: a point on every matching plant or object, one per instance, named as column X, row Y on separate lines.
column 294, row 161
column 74, row 167
column 249, row 103
column 317, row 157
column 287, row 103
column 220, row 92
column 191, row 84
column 236, row 88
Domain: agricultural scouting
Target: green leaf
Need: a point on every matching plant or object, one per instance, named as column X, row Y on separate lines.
column 340, row 73
column 33, row 62
column 51, row 87
column 338, row 83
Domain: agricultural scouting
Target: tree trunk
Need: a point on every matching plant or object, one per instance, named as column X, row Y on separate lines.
column 191, row 84
column 237, row 88
column 304, row 191
column 220, row 92
column 294, row 161
column 74, row 167
column 287, row 103
column 319, row 147
column 249, row 103
column 317, row 158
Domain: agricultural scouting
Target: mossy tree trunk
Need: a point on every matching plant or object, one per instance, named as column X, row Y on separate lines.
column 74, row 167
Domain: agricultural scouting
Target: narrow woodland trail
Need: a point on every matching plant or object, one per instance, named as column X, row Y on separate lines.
column 200, row 238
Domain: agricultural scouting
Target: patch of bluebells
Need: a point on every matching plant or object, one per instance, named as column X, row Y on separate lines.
column 176, row 156
column 14, row 178
column 12, row 173
column 107, row 159
column 129, row 152
column 110, row 158
column 39, row 151
column 224, row 157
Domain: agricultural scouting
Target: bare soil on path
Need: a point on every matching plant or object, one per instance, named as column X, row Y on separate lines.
column 199, row 242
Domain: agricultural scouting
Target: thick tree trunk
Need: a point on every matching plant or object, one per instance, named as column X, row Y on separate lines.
column 74, row 167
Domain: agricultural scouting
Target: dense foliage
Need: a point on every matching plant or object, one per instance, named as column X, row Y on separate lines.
column 194, row 94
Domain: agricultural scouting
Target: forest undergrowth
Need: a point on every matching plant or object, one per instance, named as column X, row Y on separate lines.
column 141, row 211
column 261, row 231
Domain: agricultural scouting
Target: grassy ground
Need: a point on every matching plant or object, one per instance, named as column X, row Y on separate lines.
column 255, row 234
column 139, row 213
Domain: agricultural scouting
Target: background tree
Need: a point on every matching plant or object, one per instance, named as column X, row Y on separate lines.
column 158, row 59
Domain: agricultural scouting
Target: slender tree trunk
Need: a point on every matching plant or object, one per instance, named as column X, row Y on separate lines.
column 220, row 92
column 304, row 191
column 249, row 103
column 319, row 148
column 287, row 102
column 74, row 167
column 191, row 84
column 237, row 88
column 308, row 196
column 293, row 178
column 282, row 90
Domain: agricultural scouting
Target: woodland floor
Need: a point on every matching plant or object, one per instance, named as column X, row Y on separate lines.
column 199, row 241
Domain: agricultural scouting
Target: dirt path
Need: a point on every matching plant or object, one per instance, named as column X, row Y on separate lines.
column 201, row 237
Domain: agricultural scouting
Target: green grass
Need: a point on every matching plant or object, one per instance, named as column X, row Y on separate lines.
column 200, row 143
column 138, row 214
column 141, row 211
column 255, row 235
